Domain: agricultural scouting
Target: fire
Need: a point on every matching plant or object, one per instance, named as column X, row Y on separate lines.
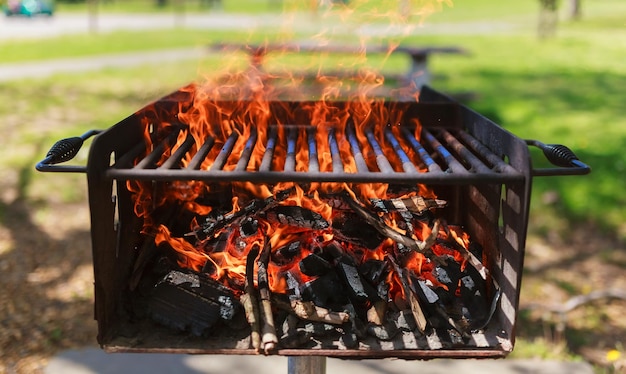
column 245, row 123
column 237, row 111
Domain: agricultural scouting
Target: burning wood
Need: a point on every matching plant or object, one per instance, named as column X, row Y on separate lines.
column 276, row 257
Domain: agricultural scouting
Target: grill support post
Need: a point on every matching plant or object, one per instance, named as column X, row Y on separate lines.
column 306, row 365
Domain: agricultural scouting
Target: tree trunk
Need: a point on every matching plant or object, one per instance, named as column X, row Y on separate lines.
column 575, row 12
column 548, row 18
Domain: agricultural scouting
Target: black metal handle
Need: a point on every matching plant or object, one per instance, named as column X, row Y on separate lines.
column 65, row 150
column 559, row 155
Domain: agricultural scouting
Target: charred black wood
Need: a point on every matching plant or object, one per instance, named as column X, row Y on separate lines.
column 292, row 335
column 449, row 275
column 327, row 291
column 360, row 292
column 375, row 271
column 213, row 224
column 192, row 302
column 404, row 320
column 414, row 204
column 291, row 215
column 411, row 299
column 353, row 228
column 384, row 332
column 478, row 324
column 248, row 226
column 314, row 265
column 349, row 339
column 332, row 250
column 474, row 294
column 416, row 245
column 437, row 313
column 149, row 248
column 286, row 254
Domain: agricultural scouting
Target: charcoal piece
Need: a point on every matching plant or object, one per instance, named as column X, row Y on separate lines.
column 219, row 243
column 320, row 329
column 404, row 321
column 357, row 230
column 449, row 275
column 291, row 334
column 476, row 249
column 314, row 265
column 191, row 302
column 332, row 250
column 326, row 291
column 249, row 226
column 383, row 332
column 216, row 222
column 356, row 326
column 474, row 294
column 374, row 271
column 359, row 291
column 383, row 290
column 286, row 254
column 292, row 215
column 349, row 340
column 438, row 314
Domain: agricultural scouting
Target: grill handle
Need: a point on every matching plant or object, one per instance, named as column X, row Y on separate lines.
column 63, row 151
column 561, row 156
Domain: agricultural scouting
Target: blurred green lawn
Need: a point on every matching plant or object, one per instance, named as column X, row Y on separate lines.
column 569, row 89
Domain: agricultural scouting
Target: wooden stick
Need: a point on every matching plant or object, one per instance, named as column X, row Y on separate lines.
column 308, row 311
column 269, row 339
column 254, row 207
column 416, row 245
column 416, row 308
column 250, row 300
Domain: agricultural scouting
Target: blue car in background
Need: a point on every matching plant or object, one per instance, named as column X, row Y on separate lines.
column 29, row 7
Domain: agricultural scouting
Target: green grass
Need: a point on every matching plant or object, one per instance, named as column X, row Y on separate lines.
column 568, row 89
column 107, row 43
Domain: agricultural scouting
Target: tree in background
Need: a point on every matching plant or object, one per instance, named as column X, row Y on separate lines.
column 548, row 18
column 575, row 12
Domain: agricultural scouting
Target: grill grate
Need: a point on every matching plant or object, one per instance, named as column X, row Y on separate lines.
column 444, row 156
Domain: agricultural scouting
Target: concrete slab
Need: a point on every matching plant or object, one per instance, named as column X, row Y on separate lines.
column 96, row 361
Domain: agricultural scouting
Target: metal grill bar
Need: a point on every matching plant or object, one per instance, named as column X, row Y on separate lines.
column 465, row 153
column 424, row 156
column 498, row 164
column 454, row 154
column 407, row 165
column 247, row 152
column 270, row 147
column 227, row 148
column 292, row 139
column 152, row 158
column 334, row 152
column 314, row 165
column 174, row 160
column 197, row 159
column 454, row 165
column 361, row 165
column 381, row 159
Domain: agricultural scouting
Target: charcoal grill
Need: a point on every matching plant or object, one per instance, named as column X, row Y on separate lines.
column 482, row 170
